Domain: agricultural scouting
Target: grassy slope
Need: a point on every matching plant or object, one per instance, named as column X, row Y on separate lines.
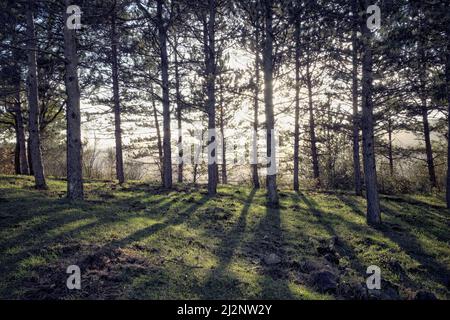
column 136, row 241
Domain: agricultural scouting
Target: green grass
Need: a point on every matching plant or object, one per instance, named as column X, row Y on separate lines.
column 140, row 242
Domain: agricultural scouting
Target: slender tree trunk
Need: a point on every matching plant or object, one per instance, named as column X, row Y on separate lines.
column 271, row 178
column 255, row 175
column 390, row 154
column 158, row 133
column 447, row 78
column 29, row 160
column 117, row 109
column 428, row 147
column 297, row 107
column 162, row 36
column 224, row 143
column 23, row 162
column 73, row 116
column 312, row 127
column 370, row 172
column 16, row 151
column 211, row 102
column 355, row 116
column 33, row 101
column 179, row 123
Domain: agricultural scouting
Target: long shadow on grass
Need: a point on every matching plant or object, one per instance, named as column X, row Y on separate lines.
column 220, row 284
column 408, row 243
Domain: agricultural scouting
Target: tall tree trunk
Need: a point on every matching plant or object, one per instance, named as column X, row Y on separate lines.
column 73, row 116
column 355, row 116
column 211, row 102
column 255, row 175
column 370, row 172
column 117, row 109
column 224, row 143
column 33, row 101
column 23, row 162
column 158, row 133
column 29, row 160
column 16, row 151
column 390, row 153
column 271, row 177
column 162, row 36
column 312, row 126
column 428, row 147
column 447, row 78
column 297, row 107
column 179, row 111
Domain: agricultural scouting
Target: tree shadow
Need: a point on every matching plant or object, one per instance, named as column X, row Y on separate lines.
column 230, row 241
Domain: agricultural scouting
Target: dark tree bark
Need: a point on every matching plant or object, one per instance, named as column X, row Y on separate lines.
column 211, row 97
column 74, row 157
column 158, row 133
column 312, row 126
column 428, row 147
column 162, row 36
column 33, row 101
column 179, row 114
column 20, row 132
column 447, row 78
column 370, row 172
column 255, row 175
column 224, row 143
column 117, row 109
column 355, row 116
column 271, row 178
column 297, row 107
column 29, row 160
column 390, row 152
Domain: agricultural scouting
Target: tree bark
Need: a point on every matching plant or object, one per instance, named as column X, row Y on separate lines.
column 162, row 36
column 390, row 152
column 312, row 126
column 117, row 109
column 73, row 116
column 447, row 80
column 158, row 133
column 179, row 112
column 255, row 175
column 211, row 98
column 271, row 176
column 428, row 147
column 355, row 116
column 297, row 107
column 33, row 101
column 20, row 130
column 224, row 143
column 370, row 172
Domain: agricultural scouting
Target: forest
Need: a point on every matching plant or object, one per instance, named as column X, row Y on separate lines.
column 225, row 149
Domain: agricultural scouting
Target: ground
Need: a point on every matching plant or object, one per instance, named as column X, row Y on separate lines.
column 138, row 241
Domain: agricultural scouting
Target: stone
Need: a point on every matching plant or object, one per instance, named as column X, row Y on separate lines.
column 325, row 281
column 272, row 259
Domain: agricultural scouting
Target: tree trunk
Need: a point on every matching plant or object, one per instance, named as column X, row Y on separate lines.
column 33, row 101
column 74, row 157
column 211, row 101
column 158, row 133
column 447, row 78
column 271, row 176
column 224, row 145
column 16, row 152
column 390, row 154
column 356, row 116
column 117, row 110
column 179, row 123
column 370, row 172
column 312, row 126
column 23, row 162
column 428, row 147
column 255, row 175
column 297, row 107
column 29, row 160
column 162, row 36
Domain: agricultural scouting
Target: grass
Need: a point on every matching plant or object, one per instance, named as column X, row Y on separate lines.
column 140, row 242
